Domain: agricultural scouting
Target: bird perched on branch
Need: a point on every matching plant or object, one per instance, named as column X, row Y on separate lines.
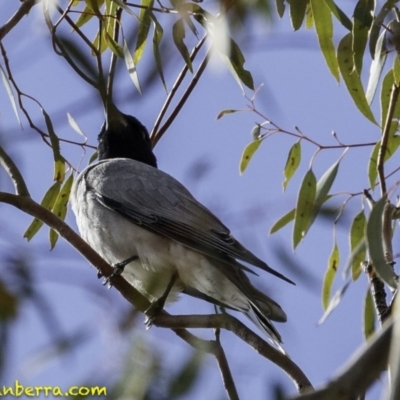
column 154, row 232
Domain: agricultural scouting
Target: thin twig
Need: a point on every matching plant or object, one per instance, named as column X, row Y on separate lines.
column 18, row 15
column 13, row 172
column 226, row 375
column 157, row 135
column 176, row 86
column 385, row 138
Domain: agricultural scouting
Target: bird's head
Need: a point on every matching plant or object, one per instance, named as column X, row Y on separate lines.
column 124, row 136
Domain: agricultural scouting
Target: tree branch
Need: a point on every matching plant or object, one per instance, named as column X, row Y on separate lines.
column 385, row 138
column 18, row 15
column 176, row 323
column 13, row 172
column 362, row 370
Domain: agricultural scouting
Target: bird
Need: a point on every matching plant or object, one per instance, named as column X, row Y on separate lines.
column 158, row 236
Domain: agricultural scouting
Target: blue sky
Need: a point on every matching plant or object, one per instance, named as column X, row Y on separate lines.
column 298, row 90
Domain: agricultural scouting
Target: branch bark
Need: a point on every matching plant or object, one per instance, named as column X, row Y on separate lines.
column 176, row 323
column 18, row 15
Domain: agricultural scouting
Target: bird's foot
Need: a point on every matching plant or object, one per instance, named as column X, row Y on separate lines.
column 151, row 313
column 157, row 306
column 118, row 269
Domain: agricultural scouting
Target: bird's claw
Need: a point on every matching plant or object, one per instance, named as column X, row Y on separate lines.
column 117, row 270
column 151, row 313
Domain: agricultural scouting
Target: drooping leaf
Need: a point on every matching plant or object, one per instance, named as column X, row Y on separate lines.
column 357, row 234
column 60, row 207
column 85, row 16
column 339, row 14
column 121, row 4
column 10, row 94
column 323, row 187
column 114, row 45
column 131, row 67
column 369, row 315
column 392, row 146
column 335, row 301
column 283, row 221
column 59, row 162
column 351, row 78
column 333, row 265
column 225, row 112
column 386, row 94
column 144, row 28
column 292, row 163
column 237, row 61
column 324, row 29
column 377, row 25
column 309, row 19
column 74, row 125
column 396, row 71
column 376, row 67
column 375, row 245
column 304, row 207
column 248, row 153
column 47, row 202
column 178, row 34
column 297, row 12
column 363, row 18
column 157, row 36
column 280, row 7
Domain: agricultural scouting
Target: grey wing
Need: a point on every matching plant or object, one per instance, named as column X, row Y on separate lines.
column 156, row 201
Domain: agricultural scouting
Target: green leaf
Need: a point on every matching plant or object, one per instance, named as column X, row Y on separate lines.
column 131, row 67
column 339, row 14
column 280, row 7
column 304, row 207
column 10, row 94
column 114, row 46
column 323, row 187
column 48, row 203
column 237, row 61
column 351, row 78
column 85, row 16
column 309, row 17
column 292, row 163
column 157, row 36
column 248, row 153
column 335, row 301
column 225, row 112
column 363, row 19
column 178, row 34
column 297, row 12
column 377, row 25
column 392, row 146
column 324, row 29
column 121, row 4
column 369, row 315
column 333, row 264
column 357, row 234
column 376, row 68
column 396, row 71
column 375, row 245
column 94, row 6
column 59, row 162
column 144, row 27
column 283, row 221
column 386, row 93
column 60, row 207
